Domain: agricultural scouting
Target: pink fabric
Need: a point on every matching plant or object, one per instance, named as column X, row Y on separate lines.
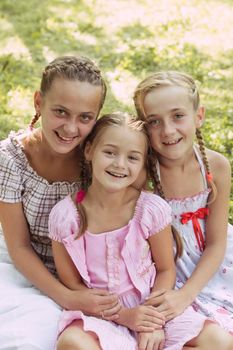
column 109, row 268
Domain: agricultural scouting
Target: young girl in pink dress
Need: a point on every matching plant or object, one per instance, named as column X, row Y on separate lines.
column 39, row 167
column 117, row 238
column 196, row 183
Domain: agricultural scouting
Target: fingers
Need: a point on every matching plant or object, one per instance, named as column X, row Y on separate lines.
column 157, row 293
column 161, row 345
column 153, row 312
column 111, row 314
column 142, row 342
column 155, row 301
column 146, row 327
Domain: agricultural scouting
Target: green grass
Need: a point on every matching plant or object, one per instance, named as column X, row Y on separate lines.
column 129, row 40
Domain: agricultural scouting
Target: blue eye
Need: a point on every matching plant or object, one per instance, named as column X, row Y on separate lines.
column 153, row 122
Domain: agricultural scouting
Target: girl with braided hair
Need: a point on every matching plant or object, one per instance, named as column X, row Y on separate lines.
column 39, row 167
column 196, row 182
column 111, row 235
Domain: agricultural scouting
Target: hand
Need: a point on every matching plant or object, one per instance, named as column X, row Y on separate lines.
column 170, row 303
column 151, row 341
column 141, row 318
column 95, row 302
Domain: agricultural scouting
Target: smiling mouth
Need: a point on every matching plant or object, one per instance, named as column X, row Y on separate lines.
column 65, row 139
column 121, row 176
column 171, row 143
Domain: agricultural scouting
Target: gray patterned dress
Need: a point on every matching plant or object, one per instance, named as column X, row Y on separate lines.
column 28, row 319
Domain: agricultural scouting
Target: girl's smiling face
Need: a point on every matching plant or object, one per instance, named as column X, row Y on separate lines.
column 68, row 110
column 117, row 157
column 172, row 121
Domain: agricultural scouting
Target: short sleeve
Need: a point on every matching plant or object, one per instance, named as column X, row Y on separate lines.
column 63, row 220
column 11, row 186
column 155, row 214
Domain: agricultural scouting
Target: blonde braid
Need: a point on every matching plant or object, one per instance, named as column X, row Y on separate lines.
column 202, row 148
column 158, row 186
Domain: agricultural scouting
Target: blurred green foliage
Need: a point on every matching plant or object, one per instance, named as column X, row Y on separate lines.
column 129, row 40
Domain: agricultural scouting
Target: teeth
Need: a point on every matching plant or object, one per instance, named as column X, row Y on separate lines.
column 68, row 139
column 117, row 175
column 171, row 142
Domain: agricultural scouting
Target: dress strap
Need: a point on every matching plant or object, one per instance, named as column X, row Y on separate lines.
column 201, row 164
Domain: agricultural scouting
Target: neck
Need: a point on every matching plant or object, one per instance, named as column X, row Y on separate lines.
column 180, row 163
column 106, row 199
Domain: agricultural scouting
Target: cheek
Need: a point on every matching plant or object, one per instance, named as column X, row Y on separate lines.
column 153, row 137
column 85, row 129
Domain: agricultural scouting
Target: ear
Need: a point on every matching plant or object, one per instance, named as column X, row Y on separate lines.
column 37, row 102
column 200, row 117
column 88, row 151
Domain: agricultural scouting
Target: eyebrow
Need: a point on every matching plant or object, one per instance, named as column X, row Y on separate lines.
column 68, row 110
column 114, row 146
column 172, row 110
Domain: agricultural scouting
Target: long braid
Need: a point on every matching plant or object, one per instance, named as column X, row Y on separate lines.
column 202, row 148
column 34, row 120
column 85, row 173
column 154, row 176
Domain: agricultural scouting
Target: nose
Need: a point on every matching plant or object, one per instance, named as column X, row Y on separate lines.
column 71, row 127
column 120, row 161
column 167, row 128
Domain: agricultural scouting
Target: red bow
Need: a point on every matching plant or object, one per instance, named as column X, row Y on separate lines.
column 194, row 216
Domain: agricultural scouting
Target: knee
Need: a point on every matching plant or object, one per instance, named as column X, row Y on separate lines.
column 215, row 338
column 68, row 342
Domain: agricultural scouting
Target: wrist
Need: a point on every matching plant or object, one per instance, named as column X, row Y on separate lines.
column 67, row 298
column 188, row 294
column 122, row 319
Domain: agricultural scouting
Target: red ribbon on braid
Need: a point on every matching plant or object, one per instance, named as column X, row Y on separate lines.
column 194, row 216
column 209, row 177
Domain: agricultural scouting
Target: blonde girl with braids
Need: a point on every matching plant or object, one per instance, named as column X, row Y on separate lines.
column 196, row 182
column 112, row 236
column 39, row 167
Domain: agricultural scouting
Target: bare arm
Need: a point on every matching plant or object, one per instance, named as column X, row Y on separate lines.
column 161, row 245
column 216, row 228
column 17, row 238
column 29, row 264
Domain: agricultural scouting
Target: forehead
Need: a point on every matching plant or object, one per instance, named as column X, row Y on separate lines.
column 124, row 137
column 167, row 98
column 63, row 90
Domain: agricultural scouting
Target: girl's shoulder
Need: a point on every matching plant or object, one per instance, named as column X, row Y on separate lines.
column 152, row 212
column 11, row 148
column 12, row 157
column 151, row 204
column 63, row 219
column 219, row 164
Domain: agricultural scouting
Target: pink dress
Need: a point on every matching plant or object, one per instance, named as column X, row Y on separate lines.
column 105, row 265
column 216, row 299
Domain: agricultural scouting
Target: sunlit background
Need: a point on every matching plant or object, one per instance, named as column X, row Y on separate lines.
column 128, row 39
